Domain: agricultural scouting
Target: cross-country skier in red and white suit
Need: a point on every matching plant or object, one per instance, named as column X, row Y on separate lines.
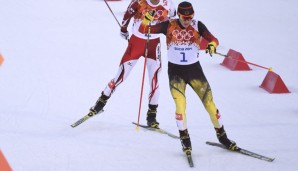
column 165, row 9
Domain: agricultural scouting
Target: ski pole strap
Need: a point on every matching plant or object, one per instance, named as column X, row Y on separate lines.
column 246, row 62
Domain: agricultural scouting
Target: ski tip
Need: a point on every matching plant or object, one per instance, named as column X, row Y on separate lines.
column 271, row 160
column 135, row 123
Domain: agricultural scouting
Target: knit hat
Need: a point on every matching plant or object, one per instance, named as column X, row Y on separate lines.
column 185, row 9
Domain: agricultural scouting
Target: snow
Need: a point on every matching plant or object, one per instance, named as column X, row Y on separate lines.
column 60, row 54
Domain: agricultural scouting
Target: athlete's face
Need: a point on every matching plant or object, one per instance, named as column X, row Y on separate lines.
column 185, row 20
column 155, row 2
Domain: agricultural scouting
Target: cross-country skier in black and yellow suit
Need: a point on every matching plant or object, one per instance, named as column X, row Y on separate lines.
column 182, row 38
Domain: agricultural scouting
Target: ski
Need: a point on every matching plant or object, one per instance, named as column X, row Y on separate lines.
column 243, row 151
column 189, row 159
column 83, row 119
column 159, row 130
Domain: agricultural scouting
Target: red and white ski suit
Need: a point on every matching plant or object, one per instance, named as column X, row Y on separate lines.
column 137, row 45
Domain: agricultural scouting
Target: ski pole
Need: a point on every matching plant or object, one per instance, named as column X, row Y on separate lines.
column 112, row 13
column 143, row 77
column 246, row 62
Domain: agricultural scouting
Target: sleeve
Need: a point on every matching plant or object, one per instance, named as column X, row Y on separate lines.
column 206, row 34
column 155, row 29
column 129, row 13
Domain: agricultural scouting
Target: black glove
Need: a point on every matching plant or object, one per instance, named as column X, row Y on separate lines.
column 211, row 48
column 124, row 33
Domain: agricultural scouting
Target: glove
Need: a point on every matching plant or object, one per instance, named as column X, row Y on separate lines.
column 211, row 48
column 124, row 33
column 149, row 16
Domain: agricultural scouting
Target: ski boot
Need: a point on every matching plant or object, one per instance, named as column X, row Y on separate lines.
column 185, row 141
column 100, row 103
column 223, row 139
column 151, row 117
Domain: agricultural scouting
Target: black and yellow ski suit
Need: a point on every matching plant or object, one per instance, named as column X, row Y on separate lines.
column 184, row 66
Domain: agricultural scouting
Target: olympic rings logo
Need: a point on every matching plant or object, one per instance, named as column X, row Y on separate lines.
column 157, row 15
column 183, row 34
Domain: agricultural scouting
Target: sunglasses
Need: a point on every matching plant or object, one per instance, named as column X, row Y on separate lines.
column 186, row 17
